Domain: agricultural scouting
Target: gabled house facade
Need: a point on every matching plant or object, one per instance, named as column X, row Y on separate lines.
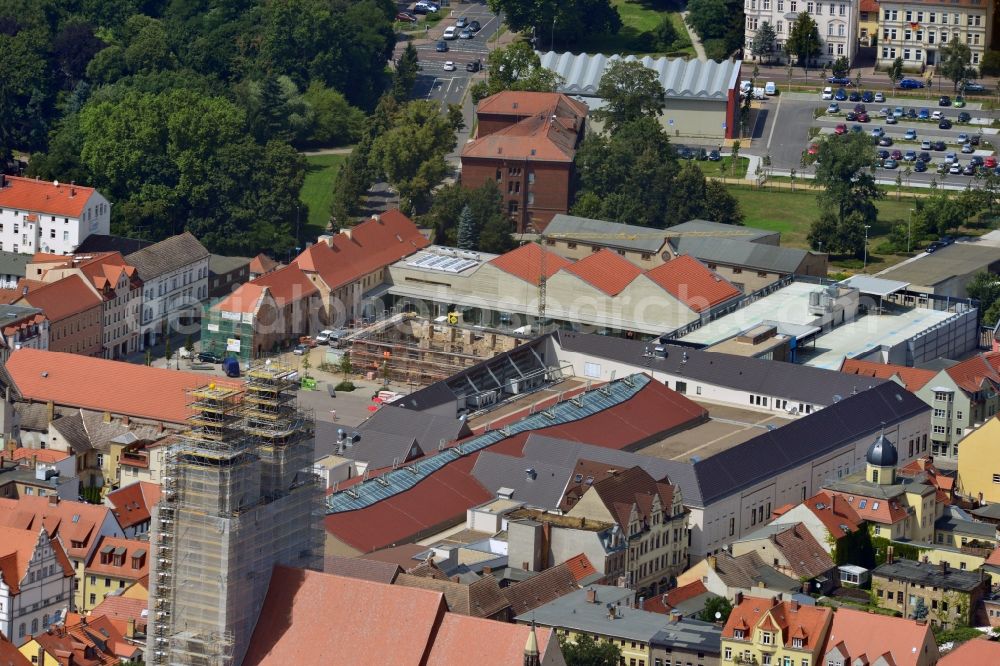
column 41, row 216
column 775, row 633
column 36, row 582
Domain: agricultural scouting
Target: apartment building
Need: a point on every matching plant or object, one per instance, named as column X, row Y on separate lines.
column 837, row 23
column 39, row 216
column 115, row 564
column 74, row 312
column 768, row 631
column 948, row 597
column 916, row 30
column 37, row 582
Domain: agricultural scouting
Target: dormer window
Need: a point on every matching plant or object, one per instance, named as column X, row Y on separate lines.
column 767, row 638
column 738, row 634
column 797, row 643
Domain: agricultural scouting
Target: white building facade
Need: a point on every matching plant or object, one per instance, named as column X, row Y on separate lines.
column 50, row 217
column 44, row 593
column 837, row 23
column 916, row 31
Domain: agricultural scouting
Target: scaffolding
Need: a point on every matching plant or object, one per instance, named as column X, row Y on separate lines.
column 238, row 498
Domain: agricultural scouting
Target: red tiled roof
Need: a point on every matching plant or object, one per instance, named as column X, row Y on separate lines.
column 692, row 283
column 913, row 379
column 994, row 558
column 664, row 603
column 973, row 653
column 867, row 636
column 132, row 503
column 17, row 548
column 793, row 620
column 131, row 547
column 70, row 521
column 44, row 197
column 10, row 655
column 834, row 512
column 535, row 138
column 524, row 103
column 364, row 248
column 42, row 455
column 120, row 609
column 540, row 589
column 469, row 640
column 287, row 285
column 883, row 511
column 400, row 555
column 444, row 496
column 245, row 298
column 973, row 373
column 870, row 6
column 580, row 567
column 607, row 270
column 262, row 264
column 300, row 620
column 103, row 385
column 60, row 299
column 526, row 262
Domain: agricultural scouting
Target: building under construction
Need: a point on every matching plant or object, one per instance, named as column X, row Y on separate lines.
column 237, row 499
column 417, row 351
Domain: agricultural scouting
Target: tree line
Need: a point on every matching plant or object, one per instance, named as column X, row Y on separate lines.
column 188, row 113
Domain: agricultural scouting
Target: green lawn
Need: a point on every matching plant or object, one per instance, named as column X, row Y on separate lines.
column 317, row 191
column 792, row 213
column 639, row 21
column 722, row 168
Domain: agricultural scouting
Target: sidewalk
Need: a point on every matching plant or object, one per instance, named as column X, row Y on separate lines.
column 699, row 49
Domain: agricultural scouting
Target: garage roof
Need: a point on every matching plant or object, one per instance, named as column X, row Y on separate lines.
column 705, row 79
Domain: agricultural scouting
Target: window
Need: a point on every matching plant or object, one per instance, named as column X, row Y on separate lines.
column 728, row 654
column 767, row 638
column 958, row 415
column 21, row 630
column 738, row 634
column 93, row 598
column 796, row 642
column 779, row 28
column 874, row 506
column 878, row 530
column 863, row 503
column 996, row 478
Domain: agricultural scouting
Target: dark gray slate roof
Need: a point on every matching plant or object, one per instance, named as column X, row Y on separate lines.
column 930, row 574
column 737, row 252
column 12, row 263
column 106, row 243
column 690, row 634
column 168, row 255
column 799, row 383
column 615, row 234
column 991, row 511
column 219, row 264
column 389, row 433
column 955, row 519
column 543, row 491
column 702, row 226
column 805, row 439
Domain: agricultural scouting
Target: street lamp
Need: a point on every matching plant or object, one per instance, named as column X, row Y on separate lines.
column 909, row 221
column 865, row 267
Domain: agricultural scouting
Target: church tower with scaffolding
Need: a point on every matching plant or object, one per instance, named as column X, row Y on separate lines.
column 238, row 498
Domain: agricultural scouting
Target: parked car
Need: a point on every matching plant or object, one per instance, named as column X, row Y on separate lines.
column 855, row 96
column 990, row 162
column 465, row 34
column 938, row 145
column 925, row 145
column 851, row 116
column 461, row 22
column 923, row 156
column 840, row 129
column 860, row 108
column 862, row 117
column 833, row 108
column 882, row 154
column 968, row 149
column 910, row 156
column 969, row 169
column 827, row 93
column 955, row 169
column 890, row 164
column 867, row 97
column 885, row 141
column 964, row 117
column 685, row 153
column 209, row 357
column 451, row 32
column 714, row 156
column 406, row 17
column 441, row 47
column 910, row 135
column 974, row 139
column 923, row 114
column 812, row 149
column 959, row 102
column 839, row 80
column 897, row 154
column 840, row 95
column 911, row 114
column 858, row 129
column 976, row 160
column 944, row 100
column 973, row 87
column 879, row 97
column 897, row 112
column 910, row 84
column 944, row 124
column 324, row 337
column 950, row 158
column 937, row 115
column 919, row 166
column 962, row 138
column 300, row 350
column 424, row 7
column 891, row 120
column 449, row 66
column 473, row 66
column 701, row 155
column 474, row 26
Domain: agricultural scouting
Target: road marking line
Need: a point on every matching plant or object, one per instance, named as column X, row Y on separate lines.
column 774, row 123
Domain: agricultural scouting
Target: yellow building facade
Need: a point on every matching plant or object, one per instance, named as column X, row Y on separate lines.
column 979, row 463
column 779, row 633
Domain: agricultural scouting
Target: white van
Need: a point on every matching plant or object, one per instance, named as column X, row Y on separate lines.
column 770, row 88
column 450, row 33
column 827, row 93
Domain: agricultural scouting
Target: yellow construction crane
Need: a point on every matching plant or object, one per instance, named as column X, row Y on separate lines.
column 659, row 234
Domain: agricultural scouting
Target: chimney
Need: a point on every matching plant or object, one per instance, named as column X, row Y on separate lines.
column 944, row 568
column 675, row 616
column 50, row 411
column 526, row 566
column 487, row 571
column 125, row 420
column 53, row 500
column 738, row 599
column 591, row 596
column 456, row 579
column 889, row 555
column 713, row 561
column 130, row 628
column 612, row 613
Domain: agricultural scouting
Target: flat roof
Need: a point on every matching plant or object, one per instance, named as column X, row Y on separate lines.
column 961, row 258
column 867, row 284
column 441, row 259
column 788, row 305
column 727, row 427
column 869, row 332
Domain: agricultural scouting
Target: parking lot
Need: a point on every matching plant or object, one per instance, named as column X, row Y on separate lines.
column 789, row 118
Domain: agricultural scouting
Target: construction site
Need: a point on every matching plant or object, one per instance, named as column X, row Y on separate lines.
column 417, row 351
column 237, row 500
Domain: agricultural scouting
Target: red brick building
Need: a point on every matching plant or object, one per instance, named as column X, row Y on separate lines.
column 526, row 142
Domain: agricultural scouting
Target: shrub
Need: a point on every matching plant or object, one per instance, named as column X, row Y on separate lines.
column 344, row 386
column 991, row 64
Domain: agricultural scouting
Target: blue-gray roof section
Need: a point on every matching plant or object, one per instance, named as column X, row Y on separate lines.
column 700, row 79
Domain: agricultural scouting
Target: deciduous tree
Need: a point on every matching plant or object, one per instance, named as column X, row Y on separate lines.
column 956, row 61
column 515, row 67
column 803, row 40
column 630, row 91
